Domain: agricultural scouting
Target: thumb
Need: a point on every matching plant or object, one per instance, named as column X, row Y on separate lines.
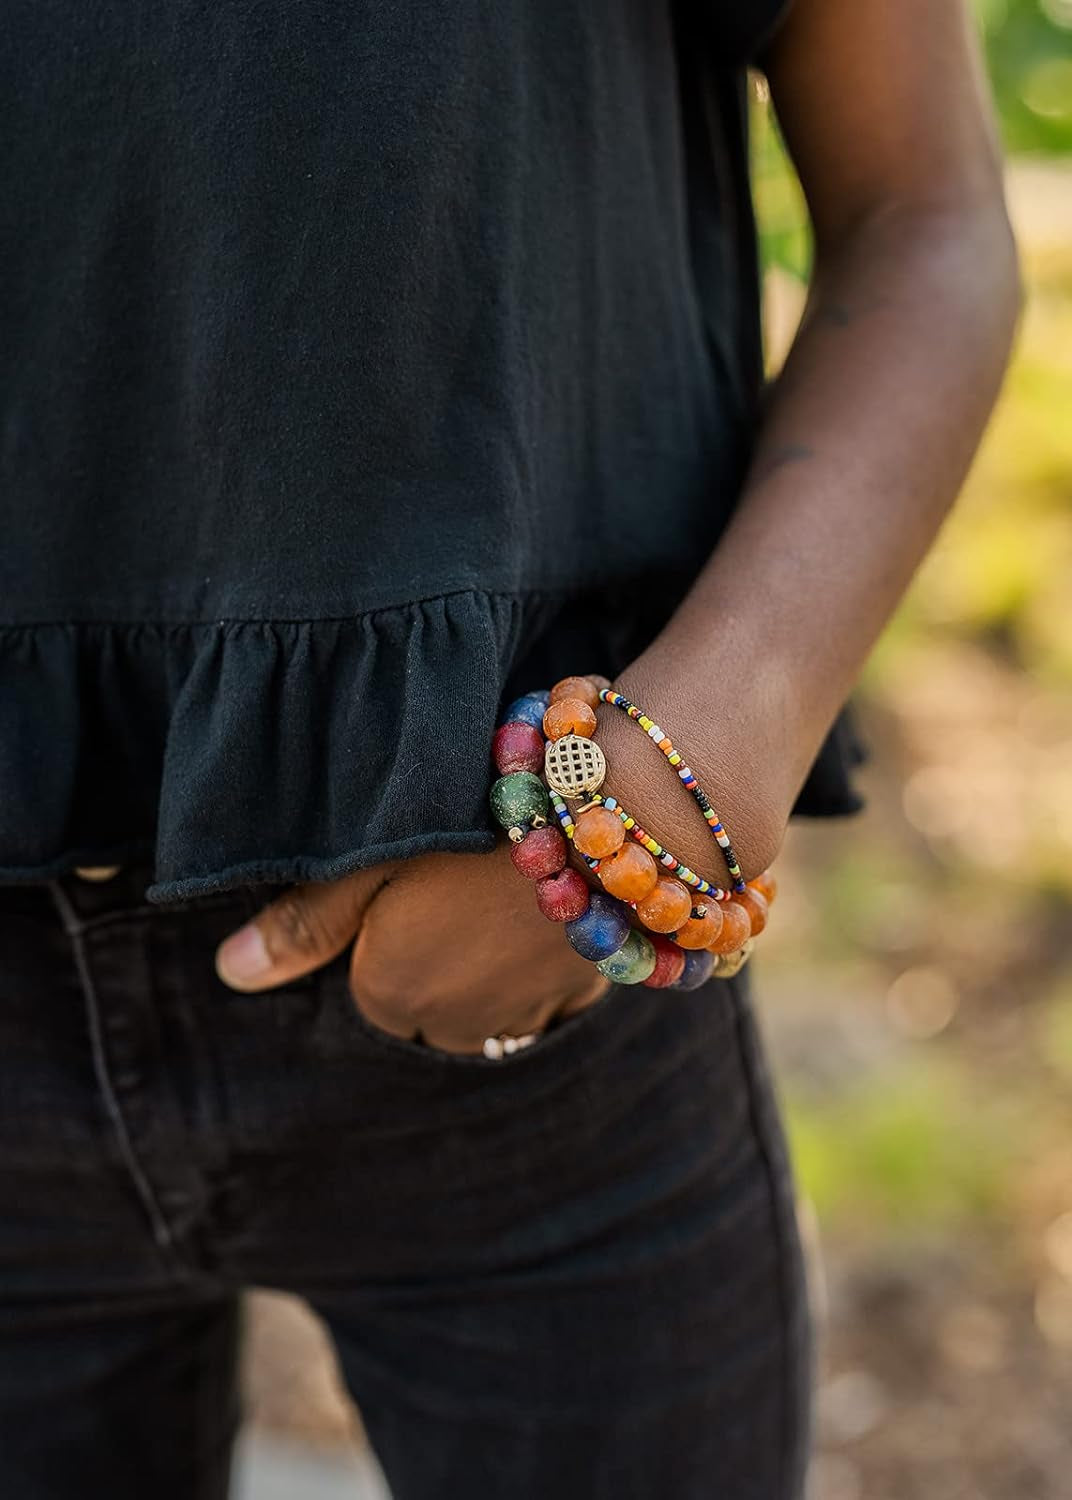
column 301, row 931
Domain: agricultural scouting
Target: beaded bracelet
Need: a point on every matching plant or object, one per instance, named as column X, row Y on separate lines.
column 686, row 774
column 597, row 924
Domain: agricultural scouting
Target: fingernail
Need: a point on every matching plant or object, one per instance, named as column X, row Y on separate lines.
column 243, row 956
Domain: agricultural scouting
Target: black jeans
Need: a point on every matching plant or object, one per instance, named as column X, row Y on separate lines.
column 572, row 1273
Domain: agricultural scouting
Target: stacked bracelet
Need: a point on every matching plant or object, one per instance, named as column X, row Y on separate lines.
column 686, row 775
column 689, row 937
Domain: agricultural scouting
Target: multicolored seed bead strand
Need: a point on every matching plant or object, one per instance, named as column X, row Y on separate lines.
column 687, row 776
column 654, row 848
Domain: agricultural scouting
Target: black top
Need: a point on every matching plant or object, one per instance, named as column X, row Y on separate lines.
column 361, row 364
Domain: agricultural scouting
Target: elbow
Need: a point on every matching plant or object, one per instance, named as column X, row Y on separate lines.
column 958, row 248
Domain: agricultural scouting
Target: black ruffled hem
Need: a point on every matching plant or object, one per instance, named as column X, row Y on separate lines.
column 241, row 752
column 249, row 752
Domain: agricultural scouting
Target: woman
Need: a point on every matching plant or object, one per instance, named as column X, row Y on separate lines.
column 363, row 367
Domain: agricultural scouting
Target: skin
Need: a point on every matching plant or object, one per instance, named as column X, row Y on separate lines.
column 867, row 436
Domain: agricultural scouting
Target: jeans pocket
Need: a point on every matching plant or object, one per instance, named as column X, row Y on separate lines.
column 562, row 1037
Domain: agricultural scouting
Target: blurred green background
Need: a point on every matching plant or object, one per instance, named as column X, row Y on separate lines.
column 917, row 985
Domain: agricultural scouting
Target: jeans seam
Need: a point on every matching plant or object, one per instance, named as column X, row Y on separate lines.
column 75, row 930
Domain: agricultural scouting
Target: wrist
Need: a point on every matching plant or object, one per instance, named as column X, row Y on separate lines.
column 730, row 749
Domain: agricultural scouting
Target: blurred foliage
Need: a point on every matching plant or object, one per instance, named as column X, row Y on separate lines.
column 1029, row 59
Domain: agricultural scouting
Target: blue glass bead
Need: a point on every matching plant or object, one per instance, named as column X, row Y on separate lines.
column 697, row 970
column 528, row 709
column 601, row 931
column 632, row 963
column 518, row 798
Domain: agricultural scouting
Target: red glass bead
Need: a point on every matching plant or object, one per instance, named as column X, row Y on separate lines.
column 562, row 897
column 631, row 874
column 669, row 964
column 756, row 907
column 701, row 932
column 580, row 688
column 736, row 929
column 517, row 747
column 541, row 852
column 766, row 885
column 598, row 833
column 569, row 716
column 666, row 907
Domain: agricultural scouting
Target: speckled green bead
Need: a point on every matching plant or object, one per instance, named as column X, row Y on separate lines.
column 632, row 963
column 519, row 797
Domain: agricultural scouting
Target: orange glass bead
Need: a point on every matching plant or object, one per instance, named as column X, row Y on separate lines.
column 766, row 885
column 736, row 929
column 599, row 833
column 701, row 932
column 569, row 716
column 580, row 688
column 667, row 907
column 631, row 874
column 756, row 907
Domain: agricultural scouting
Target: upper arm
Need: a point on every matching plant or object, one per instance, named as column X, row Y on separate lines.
column 883, row 103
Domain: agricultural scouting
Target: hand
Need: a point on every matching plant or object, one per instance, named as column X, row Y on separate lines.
column 450, row 949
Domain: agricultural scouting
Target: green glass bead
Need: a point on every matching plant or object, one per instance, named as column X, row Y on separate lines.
column 518, row 798
column 632, row 963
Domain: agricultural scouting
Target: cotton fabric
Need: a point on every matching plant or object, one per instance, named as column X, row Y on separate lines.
column 361, row 364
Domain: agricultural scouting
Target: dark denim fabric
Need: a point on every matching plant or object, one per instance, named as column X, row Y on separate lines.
column 572, row 1274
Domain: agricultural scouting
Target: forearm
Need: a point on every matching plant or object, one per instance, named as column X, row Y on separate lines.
column 866, row 440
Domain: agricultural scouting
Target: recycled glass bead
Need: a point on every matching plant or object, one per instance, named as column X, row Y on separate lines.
column 666, row 907
column 576, row 687
column 766, row 885
column 756, row 907
column 633, row 962
column 517, row 747
column 601, row 931
column 701, row 932
column 528, row 709
column 669, row 964
column 562, row 897
column 599, row 833
column 732, row 963
column 519, row 797
column 735, row 931
column 569, row 716
column 631, row 874
column 541, row 852
column 697, row 970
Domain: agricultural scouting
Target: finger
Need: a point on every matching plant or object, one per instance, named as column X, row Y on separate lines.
column 453, row 1030
column 301, row 931
column 593, row 993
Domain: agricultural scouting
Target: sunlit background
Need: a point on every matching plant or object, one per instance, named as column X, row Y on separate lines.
column 917, row 987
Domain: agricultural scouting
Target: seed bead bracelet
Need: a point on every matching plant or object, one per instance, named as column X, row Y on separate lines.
column 686, row 774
